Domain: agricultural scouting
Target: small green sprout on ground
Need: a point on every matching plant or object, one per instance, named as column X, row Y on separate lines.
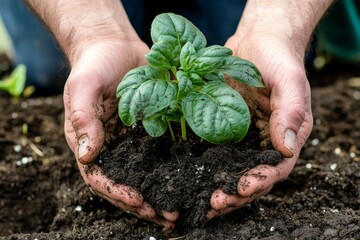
column 15, row 83
column 185, row 83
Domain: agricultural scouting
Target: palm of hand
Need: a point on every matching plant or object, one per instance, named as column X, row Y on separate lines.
column 285, row 114
column 90, row 103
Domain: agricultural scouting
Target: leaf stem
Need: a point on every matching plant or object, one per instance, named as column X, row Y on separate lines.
column 171, row 130
column 183, row 128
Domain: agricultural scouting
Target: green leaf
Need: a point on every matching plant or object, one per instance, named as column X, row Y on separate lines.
column 185, row 84
column 135, row 77
column 175, row 31
column 173, row 112
column 205, row 60
column 155, row 125
column 147, row 99
column 217, row 113
column 239, row 69
column 15, row 83
column 161, row 55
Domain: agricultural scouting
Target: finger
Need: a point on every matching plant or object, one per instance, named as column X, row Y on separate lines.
column 146, row 211
column 263, row 177
column 170, row 216
column 86, row 114
column 233, row 202
column 290, row 109
column 219, row 200
column 99, row 183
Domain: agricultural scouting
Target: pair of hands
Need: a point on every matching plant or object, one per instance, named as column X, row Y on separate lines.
column 90, row 102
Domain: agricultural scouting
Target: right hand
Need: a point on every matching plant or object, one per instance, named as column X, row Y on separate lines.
column 90, row 102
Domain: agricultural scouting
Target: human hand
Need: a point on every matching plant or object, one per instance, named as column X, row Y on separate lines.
column 282, row 110
column 90, row 103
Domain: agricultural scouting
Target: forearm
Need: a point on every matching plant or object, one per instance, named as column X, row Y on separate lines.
column 290, row 19
column 77, row 23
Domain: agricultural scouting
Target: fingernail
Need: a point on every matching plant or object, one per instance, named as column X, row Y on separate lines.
column 290, row 137
column 83, row 146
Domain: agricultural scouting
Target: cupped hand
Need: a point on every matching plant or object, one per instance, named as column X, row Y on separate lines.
column 282, row 110
column 90, row 102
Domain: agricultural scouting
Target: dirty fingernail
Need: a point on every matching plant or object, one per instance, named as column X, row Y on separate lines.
column 83, row 146
column 290, row 137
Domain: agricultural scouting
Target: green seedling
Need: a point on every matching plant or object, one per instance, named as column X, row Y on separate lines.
column 185, row 83
column 15, row 83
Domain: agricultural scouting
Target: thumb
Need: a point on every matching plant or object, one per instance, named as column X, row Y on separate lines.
column 290, row 104
column 83, row 113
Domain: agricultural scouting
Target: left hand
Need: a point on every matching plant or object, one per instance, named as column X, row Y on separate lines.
column 285, row 113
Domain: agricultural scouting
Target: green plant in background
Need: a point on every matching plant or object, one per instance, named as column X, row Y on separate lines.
column 15, row 83
column 5, row 41
column 185, row 83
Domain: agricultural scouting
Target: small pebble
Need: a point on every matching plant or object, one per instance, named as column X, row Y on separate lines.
column 308, row 166
column 337, row 151
column 333, row 166
column 78, row 208
column 356, row 95
column 17, row 148
column 315, row 142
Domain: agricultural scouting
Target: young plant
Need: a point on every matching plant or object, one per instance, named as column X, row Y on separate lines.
column 15, row 83
column 185, row 83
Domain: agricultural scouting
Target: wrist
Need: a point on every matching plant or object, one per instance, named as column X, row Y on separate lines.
column 292, row 22
column 79, row 24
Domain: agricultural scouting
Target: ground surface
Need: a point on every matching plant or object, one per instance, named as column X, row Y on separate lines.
column 42, row 195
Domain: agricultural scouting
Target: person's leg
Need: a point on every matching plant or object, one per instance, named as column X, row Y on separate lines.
column 35, row 47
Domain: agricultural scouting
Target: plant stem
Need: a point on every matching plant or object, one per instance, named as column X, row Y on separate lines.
column 183, row 128
column 171, row 130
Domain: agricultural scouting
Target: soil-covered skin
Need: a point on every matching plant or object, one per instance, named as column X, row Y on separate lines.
column 42, row 195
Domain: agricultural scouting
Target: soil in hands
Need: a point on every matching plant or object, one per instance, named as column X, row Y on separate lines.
column 181, row 176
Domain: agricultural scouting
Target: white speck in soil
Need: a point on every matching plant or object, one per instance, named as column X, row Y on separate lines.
column 152, row 238
column 17, row 148
column 24, row 105
column 37, row 139
column 315, row 142
column 317, row 121
column 333, row 166
column 78, row 208
column 272, row 229
column 337, row 151
column 356, row 95
column 308, row 166
column 352, row 155
column 14, row 115
column 24, row 161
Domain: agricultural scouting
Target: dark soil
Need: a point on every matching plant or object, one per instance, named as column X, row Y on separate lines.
column 42, row 195
column 181, row 176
